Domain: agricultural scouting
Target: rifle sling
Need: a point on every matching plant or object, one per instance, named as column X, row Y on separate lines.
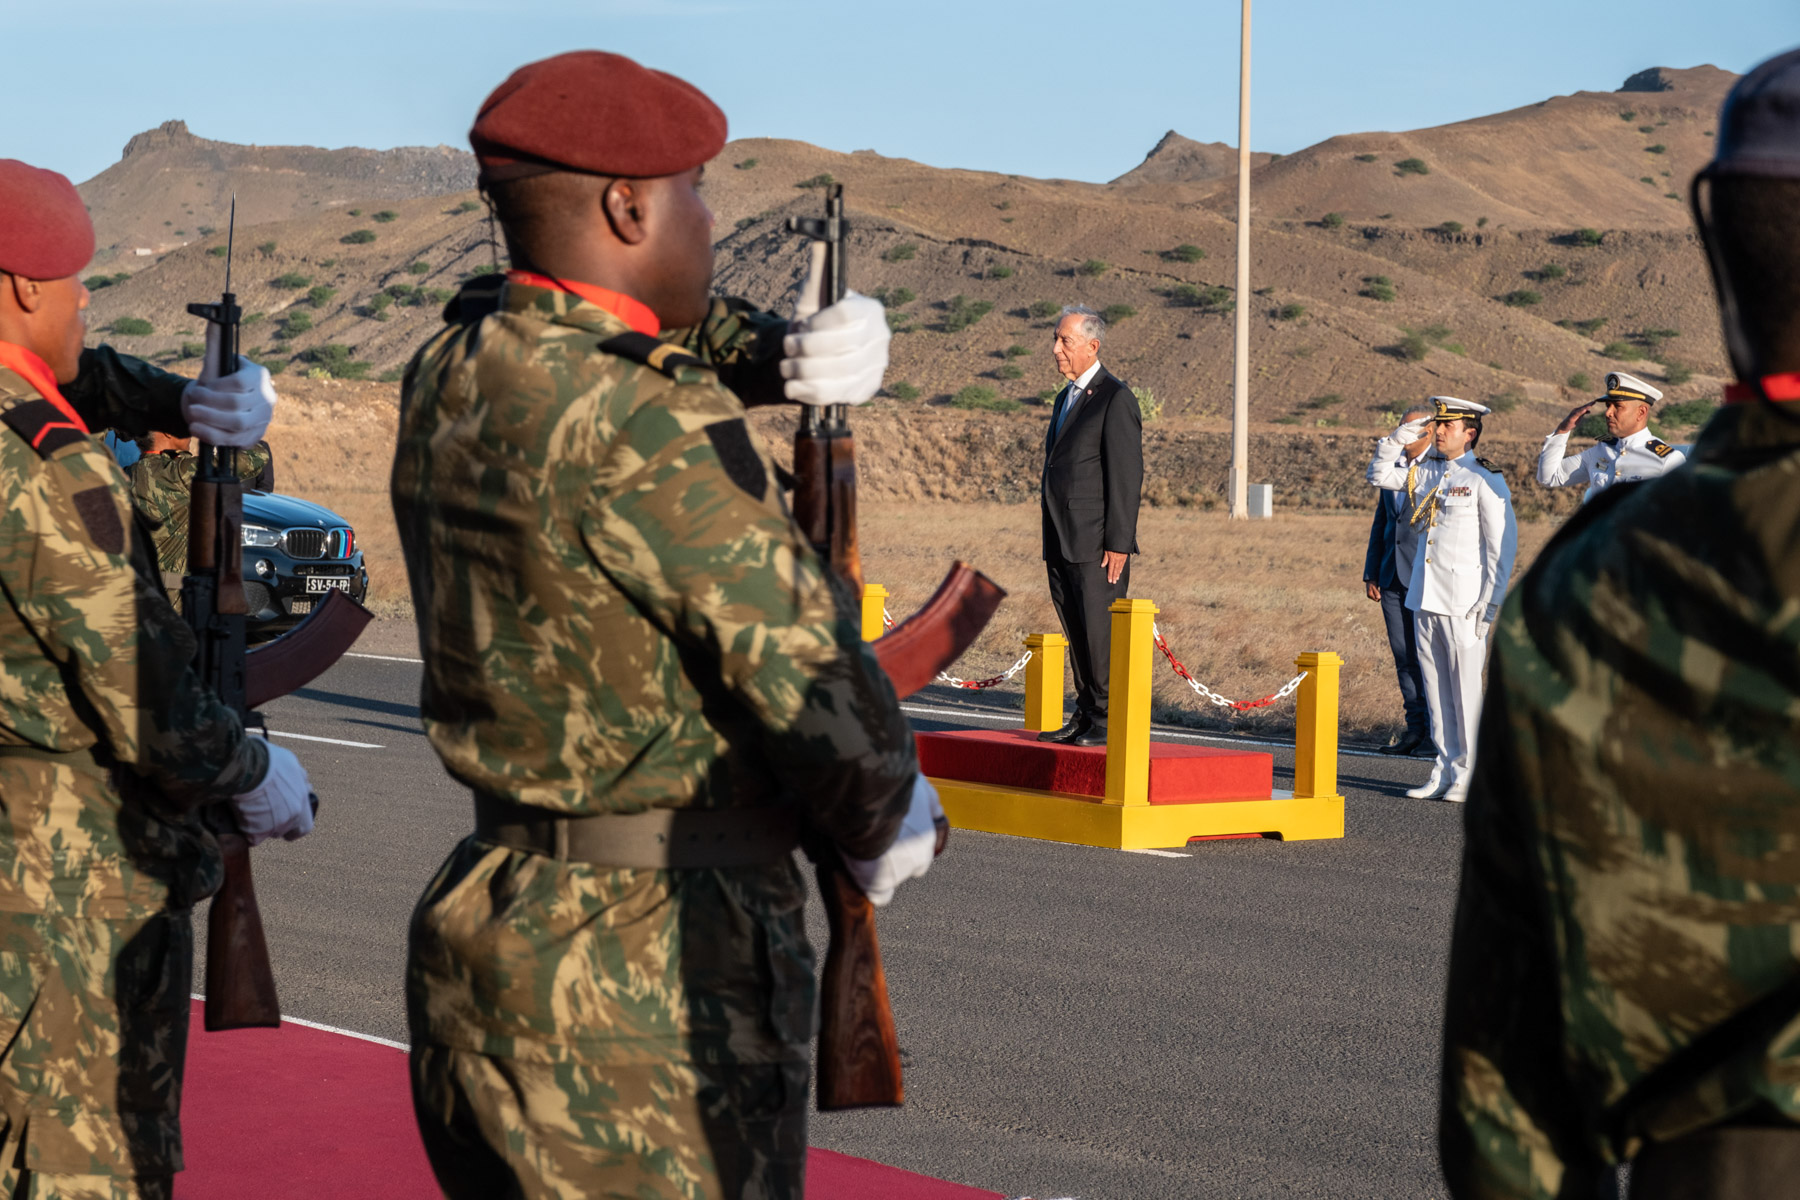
column 662, row 839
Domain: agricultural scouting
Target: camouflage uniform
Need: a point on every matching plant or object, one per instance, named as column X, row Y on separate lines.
column 1626, row 963
column 98, row 871
column 616, row 614
column 161, row 485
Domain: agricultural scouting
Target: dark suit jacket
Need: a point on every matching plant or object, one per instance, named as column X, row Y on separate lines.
column 1094, row 474
column 1378, row 563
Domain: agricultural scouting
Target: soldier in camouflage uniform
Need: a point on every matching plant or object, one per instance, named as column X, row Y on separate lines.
column 108, row 741
column 162, row 481
column 1625, row 974
column 639, row 667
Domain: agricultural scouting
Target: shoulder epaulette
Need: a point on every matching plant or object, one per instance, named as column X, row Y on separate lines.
column 1659, row 448
column 1488, row 465
column 1609, row 441
column 657, row 355
column 478, row 298
column 43, row 426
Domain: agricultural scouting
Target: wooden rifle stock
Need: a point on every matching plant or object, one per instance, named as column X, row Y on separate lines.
column 859, row 1048
column 240, row 982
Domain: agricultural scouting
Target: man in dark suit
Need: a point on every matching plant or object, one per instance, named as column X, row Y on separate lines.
column 1093, row 477
column 1386, row 569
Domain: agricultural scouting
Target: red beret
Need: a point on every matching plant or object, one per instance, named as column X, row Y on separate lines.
column 597, row 113
column 45, row 232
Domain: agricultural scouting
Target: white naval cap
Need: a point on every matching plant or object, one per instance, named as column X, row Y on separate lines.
column 1451, row 408
column 1620, row 386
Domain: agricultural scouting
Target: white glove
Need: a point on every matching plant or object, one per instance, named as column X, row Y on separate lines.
column 231, row 411
column 1412, row 431
column 837, row 356
column 911, row 854
column 1483, row 615
column 281, row 804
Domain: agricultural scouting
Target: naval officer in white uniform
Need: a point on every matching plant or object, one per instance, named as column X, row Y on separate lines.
column 1468, row 538
column 1627, row 453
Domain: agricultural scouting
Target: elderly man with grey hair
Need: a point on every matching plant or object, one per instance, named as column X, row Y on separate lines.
column 1093, row 479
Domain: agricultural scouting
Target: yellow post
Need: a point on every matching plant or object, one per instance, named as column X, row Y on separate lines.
column 874, row 611
column 1128, row 703
column 1044, row 681
column 1316, row 727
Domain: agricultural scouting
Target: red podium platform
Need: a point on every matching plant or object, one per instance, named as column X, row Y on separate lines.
column 1014, row 758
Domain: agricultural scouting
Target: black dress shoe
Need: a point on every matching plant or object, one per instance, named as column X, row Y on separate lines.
column 1093, row 735
column 1409, row 744
column 1068, row 732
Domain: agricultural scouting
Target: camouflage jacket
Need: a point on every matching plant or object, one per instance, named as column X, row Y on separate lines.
column 161, row 485
column 616, row 613
column 87, row 638
column 1626, row 958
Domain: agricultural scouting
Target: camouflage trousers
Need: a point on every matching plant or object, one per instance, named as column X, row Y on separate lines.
column 499, row 1127
column 93, row 1021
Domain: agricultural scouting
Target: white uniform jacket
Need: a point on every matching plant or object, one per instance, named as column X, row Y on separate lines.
column 1468, row 536
column 1606, row 462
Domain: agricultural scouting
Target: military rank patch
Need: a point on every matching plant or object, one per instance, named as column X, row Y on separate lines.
column 737, row 454
column 43, row 425
column 101, row 517
column 1660, row 449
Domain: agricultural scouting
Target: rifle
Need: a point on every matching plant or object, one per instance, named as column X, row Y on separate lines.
column 859, row 1050
column 240, row 981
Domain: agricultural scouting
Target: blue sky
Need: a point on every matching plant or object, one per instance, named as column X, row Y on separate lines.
column 1079, row 91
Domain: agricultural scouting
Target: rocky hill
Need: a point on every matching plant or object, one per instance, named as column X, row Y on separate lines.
column 1512, row 259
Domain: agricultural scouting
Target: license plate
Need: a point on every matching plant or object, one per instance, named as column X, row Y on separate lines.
column 326, row 583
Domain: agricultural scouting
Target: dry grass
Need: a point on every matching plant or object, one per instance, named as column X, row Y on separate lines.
column 1239, row 601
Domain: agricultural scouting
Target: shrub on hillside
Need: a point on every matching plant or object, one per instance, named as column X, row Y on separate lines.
column 1368, row 158
column 1581, row 381
column 1332, row 220
column 1659, row 148
column 1042, row 309
column 1149, row 407
column 335, row 360
column 1591, row 426
column 1676, row 374
column 358, row 237
column 265, row 248
column 1688, row 412
column 292, row 281
column 961, row 312
column 1586, row 237
column 466, row 206
column 980, row 397
column 821, row 180
column 216, row 251
column 355, row 212
column 1623, row 351
column 1505, row 402
column 131, row 327
column 94, row 283
column 1016, row 351
column 1549, row 271
column 379, row 302
column 1451, row 227
column 1412, row 166
column 320, row 296
column 1414, row 347
column 193, row 349
column 1521, row 298
column 1093, row 268
column 1112, row 314
column 1187, row 252
column 1290, row 312
column 386, row 215
column 1377, row 287
column 903, row 391
column 749, row 164
column 1000, row 271
column 894, row 297
column 1009, row 371
column 904, row 252
column 420, row 267
column 484, row 269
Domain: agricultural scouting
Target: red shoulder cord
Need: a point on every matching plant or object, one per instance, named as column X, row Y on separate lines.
column 37, row 373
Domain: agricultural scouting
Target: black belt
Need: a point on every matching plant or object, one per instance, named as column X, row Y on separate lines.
column 660, row 839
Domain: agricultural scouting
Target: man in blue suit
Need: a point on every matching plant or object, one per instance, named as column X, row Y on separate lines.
column 1386, row 568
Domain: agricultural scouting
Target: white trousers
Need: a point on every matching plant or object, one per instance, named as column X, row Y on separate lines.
column 1451, row 656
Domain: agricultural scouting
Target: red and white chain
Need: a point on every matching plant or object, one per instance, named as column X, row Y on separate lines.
column 973, row 685
column 1200, row 689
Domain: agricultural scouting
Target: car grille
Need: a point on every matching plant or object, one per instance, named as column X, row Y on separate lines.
column 305, row 543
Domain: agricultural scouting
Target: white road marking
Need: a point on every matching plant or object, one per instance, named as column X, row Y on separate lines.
column 351, row 1033
column 382, row 657
column 307, row 737
column 1157, row 853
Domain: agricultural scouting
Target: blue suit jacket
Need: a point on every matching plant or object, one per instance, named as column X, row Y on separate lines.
column 1378, row 563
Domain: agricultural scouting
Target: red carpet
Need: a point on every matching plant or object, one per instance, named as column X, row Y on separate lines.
column 282, row 1114
column 1179, row 774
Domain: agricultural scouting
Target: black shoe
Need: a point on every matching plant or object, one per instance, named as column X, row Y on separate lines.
column 1409, row 744
column 1093, row 735
column 1069, row 732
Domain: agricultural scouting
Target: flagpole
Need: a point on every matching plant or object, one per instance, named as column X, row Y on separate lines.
column 1240, row 393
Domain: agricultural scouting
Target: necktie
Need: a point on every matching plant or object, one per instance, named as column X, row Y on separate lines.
column 1069, row 403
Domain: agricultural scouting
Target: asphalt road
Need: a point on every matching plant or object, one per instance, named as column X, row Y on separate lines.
column 1239, row 1019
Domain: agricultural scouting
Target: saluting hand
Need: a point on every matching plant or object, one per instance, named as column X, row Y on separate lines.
column 1575, row 415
